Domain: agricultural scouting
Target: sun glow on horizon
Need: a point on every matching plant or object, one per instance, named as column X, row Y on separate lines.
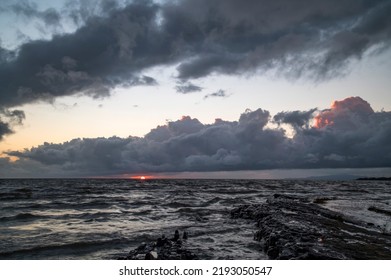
column 142, row 177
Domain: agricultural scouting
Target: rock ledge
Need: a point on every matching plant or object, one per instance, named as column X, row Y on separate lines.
column 291, row 227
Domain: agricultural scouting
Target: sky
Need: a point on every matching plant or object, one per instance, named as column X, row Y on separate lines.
column 195, row 89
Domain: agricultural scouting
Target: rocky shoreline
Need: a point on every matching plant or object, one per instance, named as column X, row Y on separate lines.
column 289, row 227
column 292, row 227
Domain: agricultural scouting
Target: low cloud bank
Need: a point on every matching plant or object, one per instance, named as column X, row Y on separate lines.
column 347, row 135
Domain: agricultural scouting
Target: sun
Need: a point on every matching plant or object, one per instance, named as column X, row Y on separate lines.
column 142, row 177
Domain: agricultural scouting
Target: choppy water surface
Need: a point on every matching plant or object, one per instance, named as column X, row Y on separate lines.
column 104, row 219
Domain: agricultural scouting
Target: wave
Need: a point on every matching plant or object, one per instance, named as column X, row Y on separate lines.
column 21, row 216
column 67, row 216
column 176, row 204
column 83, row 245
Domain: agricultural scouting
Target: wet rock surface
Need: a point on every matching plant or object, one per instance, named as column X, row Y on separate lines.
column 175, row 248
column 292, row 227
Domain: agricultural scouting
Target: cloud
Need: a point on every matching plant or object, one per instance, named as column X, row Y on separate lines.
column 115, row 43
column 297, row 119
column 6, row 55
column 143, row 81
column 8, row 119
column 80, row 11
column 355, row 137
column 350, row 112
column 348, row 134
column 104, row 53
column 314, row 39
column 187, row 87
column 4, row 129
column 219, row 93
column 29, row 10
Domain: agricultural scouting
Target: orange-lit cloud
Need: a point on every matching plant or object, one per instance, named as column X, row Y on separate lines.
column 320, row 121
column 347, row 111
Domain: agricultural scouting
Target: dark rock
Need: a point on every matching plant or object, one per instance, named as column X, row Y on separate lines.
column 163, row 249
column 142, row 246
column 273, row 252
column 161, row 241
column 291, row 227
column 176, row 236
column 286, row 254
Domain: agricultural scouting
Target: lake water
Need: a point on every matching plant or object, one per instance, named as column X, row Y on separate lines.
column 105, row 219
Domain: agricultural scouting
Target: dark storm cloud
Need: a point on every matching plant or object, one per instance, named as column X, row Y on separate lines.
column 117, row 42
column 299, row 38
column 4, row 129
column 6, row 55
column 8, row 119
column 348, row 134
column 246, row 144
column 104, row 53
